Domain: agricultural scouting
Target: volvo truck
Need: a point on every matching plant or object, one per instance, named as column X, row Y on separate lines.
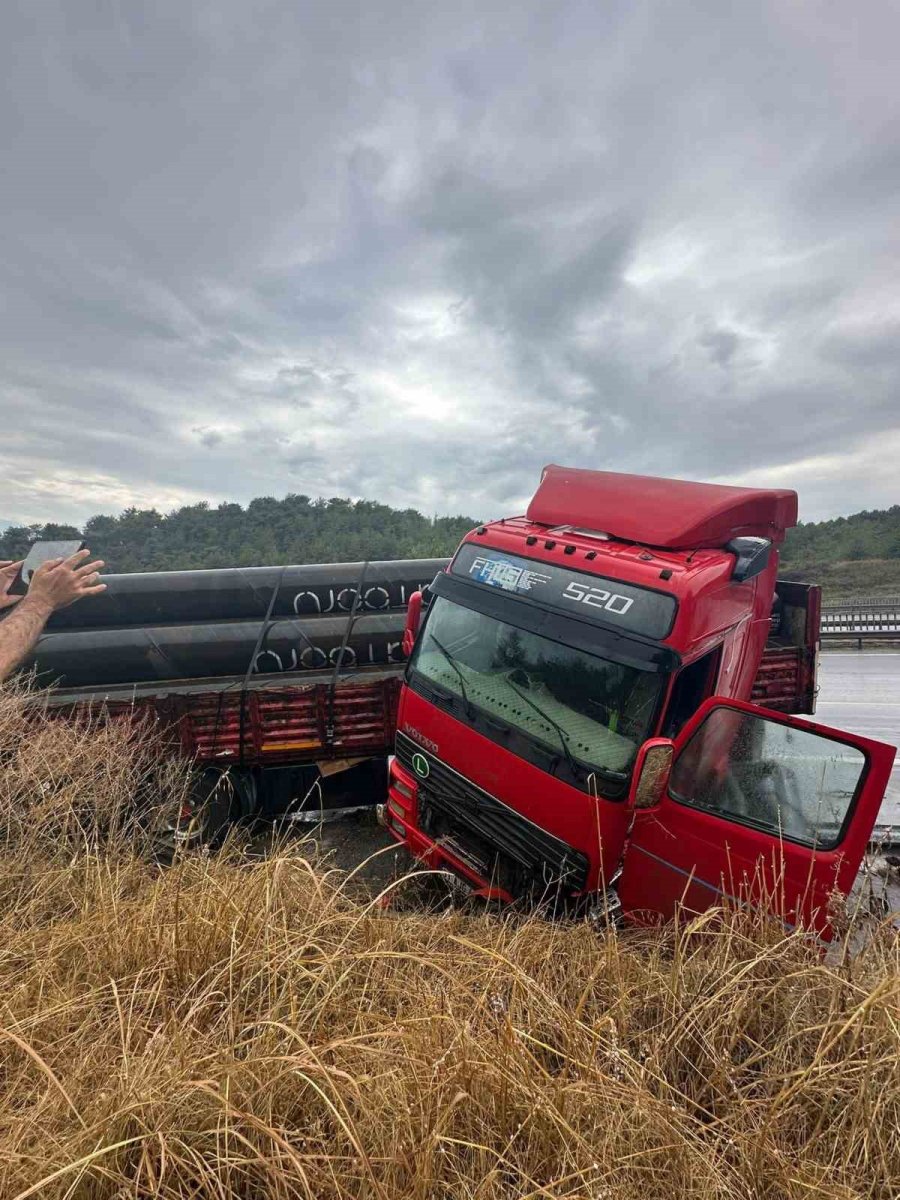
column 578, row 714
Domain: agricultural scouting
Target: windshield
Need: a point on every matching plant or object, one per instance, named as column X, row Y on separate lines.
column 578, row 704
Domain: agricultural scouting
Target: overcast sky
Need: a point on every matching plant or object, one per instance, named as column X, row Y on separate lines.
column 414, row 251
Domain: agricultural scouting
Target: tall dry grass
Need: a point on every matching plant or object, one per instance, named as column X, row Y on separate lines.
column 226, row 1029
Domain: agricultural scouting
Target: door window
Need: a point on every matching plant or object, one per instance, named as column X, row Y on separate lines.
column 693, row 684
column 776, row 777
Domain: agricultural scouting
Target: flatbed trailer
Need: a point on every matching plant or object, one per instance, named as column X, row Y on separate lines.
column 263, row 721
column 273, row 736
column 263, row 748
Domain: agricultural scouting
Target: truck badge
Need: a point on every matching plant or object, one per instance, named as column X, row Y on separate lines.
column 424, row 742
column 420, row 766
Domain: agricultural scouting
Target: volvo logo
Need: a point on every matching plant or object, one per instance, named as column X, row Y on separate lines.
column 423, row 741
column 420, row 766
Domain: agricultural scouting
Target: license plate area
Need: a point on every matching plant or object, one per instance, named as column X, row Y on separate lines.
column 465, row 856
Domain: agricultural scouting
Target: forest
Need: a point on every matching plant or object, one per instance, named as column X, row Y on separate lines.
column 295, row 529
column 299, row 529
column 868, row 534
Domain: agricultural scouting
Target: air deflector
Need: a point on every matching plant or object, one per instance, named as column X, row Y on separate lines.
column 671, row 514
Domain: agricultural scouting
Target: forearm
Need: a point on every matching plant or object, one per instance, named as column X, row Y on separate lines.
column 20, row 631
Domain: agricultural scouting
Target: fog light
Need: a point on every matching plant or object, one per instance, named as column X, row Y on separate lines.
column 396, row 808
column 402, row 788
column 397, row 827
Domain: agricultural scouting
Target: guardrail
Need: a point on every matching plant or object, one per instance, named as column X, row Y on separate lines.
column 866, row 602
column 862, row 619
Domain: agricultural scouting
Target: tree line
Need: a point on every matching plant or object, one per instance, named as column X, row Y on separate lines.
column 295, row 529
column 298, row 529
column 870, row 534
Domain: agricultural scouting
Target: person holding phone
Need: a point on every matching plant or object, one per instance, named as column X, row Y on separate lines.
column 55, row 584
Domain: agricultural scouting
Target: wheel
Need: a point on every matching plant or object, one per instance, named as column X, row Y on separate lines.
column 218, row 798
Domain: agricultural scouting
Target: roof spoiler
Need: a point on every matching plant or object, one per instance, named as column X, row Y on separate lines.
column 671, row 514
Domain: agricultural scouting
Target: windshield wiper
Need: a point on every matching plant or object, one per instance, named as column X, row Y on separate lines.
column 616, row 776
column 563, row 736
column 459, row 675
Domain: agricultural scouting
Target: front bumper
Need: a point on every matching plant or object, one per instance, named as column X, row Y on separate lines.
column 449, row 822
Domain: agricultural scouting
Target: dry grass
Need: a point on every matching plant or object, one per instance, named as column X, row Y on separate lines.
column 225, row 1029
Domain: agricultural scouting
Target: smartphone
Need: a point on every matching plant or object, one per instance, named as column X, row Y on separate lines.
column 39, row 553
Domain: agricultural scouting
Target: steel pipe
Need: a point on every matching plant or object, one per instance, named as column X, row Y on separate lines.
column 87, row 657
column 242, row 593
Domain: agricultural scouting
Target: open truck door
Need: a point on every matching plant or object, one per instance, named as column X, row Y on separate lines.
column 752, row 807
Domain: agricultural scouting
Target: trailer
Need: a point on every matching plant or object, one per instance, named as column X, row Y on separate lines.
column 265, row 743
column 278, row 684
column 262, row 748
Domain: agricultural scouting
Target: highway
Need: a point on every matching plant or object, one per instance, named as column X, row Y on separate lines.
column 860, row 691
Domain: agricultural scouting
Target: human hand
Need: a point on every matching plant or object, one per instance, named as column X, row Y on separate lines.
column 59, row 582
column 8, row 572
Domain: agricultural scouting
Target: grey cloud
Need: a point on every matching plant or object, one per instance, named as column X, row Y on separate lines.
column 876, row 347
column 415, row 253
column 208, row 437
column 326, row 391
column 721, row 344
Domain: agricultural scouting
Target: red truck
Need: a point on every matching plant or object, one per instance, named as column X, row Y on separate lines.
column 576, row 717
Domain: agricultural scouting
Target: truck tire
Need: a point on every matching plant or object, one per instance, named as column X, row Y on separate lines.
column 218, row 800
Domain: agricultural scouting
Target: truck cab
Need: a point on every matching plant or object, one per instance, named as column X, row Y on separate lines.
column 567, row 665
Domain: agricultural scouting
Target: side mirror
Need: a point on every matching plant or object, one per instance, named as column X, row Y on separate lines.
column 752, row 556
column 651, row 773
column 413, row 617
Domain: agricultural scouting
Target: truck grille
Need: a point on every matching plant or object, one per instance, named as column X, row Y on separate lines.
column 486, row 828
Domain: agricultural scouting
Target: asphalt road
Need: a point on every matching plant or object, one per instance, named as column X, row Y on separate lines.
column 859, row 690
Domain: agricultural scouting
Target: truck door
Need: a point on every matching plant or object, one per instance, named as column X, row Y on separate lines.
column 757, row 808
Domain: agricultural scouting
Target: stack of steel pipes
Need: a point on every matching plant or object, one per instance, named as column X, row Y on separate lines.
column 167, row 625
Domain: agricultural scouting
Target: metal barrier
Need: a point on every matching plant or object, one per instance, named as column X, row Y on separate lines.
column 859, row 619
